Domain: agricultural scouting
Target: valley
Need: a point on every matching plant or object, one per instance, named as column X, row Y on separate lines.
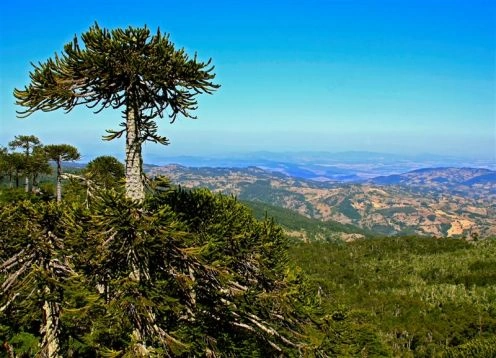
column 438, row 202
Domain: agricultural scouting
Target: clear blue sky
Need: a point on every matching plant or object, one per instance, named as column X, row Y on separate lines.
column 399, row 76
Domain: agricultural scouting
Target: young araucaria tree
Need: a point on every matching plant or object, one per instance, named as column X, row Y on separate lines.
column 126, row 69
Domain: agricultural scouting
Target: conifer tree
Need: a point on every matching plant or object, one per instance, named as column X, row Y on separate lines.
column 126, row 69
column 3, row 161
column 33, row 267
column 38, row 164
column 15, row 164
column 105, row 171
column 27, row 143
column 59, row 153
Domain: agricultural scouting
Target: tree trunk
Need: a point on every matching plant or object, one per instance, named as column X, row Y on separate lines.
column 50, row 343
column 26, row 183
column 135, row 189
column 9, row 349
column 59, row 180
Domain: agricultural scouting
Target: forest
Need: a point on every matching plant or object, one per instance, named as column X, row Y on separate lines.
column 102, row 261
column 391, row 296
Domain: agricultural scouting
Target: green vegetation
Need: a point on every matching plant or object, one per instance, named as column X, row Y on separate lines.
column 419, row 297
column 347, row 209
column 59, row 153
column 185, row 273
column 313, row 229
column 374, row 297
column 105, row 171
column 261, row 190
column 397, row 210
column 112, row 272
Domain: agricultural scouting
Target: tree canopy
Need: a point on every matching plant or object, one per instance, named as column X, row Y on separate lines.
column 59, row 153
column 105, row 171
column 122, row 68
column 34, row 158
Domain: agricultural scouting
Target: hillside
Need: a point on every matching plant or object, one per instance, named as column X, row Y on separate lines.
column 470, row 182
column 433, row 202
column 307, row 229
column 417, row 297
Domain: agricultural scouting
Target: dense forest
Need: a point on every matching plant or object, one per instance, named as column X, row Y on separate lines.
column 102, row 261
column 410, row 296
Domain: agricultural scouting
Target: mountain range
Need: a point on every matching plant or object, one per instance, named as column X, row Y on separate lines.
column 440, row 202
column 352, row 167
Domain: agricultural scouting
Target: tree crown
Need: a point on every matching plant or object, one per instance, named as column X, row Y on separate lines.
column 26, row 142
column 63, row 152
column 120, row 68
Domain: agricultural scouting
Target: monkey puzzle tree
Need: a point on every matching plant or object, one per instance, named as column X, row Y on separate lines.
column 38, row 164
column 15, row 164
column 28, row 143
column 105, row 171
column 3, row 161
column 59, row 153
column 126, row 69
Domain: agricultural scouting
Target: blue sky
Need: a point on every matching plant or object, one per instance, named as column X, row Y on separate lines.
column 390, row 76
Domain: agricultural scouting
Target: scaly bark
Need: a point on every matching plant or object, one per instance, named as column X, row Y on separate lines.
column 50, row 343
column 59, row 180
column 135, row 188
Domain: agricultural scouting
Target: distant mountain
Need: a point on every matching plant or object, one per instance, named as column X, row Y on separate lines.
column 460, row 181
column 489, row 178
column 433, row 202
column 325, row 166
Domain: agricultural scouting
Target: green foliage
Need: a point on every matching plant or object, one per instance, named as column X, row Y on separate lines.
column 25, row 142
column 348, row 210
column 314, row 229
column 416, row 295
column 190, row 273
column 183, row 274
column 25, row 344
column 128, row 69
column 14, row 164
column 484, row 347
column 30, row 163
column 106, row 171
column 61, row 152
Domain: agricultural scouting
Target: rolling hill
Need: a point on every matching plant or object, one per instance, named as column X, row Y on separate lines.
column 453, row 202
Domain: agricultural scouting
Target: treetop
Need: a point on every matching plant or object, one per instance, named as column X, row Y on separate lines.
column 61, row 152
column 115, row 68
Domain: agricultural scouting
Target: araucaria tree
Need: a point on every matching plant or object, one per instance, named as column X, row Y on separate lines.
column 59, row 153
column 27, row 143
column 127, row 69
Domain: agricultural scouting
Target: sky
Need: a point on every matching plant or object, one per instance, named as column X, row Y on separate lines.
column 402, row 76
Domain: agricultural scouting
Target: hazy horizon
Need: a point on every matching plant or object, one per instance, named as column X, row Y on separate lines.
column 334, row 76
